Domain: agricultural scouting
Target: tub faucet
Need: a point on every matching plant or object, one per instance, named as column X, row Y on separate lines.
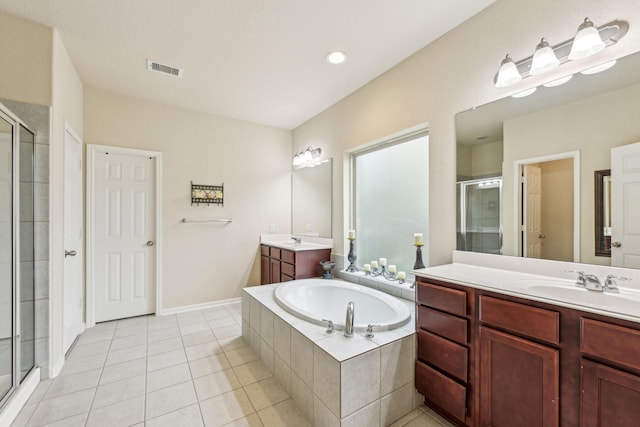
column 348, row 323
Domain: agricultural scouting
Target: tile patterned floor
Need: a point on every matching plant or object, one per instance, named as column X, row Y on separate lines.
column 190, row 369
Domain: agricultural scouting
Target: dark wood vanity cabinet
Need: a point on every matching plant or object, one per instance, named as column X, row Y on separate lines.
column 281, row 265
column 487, row 359
column 443, row 369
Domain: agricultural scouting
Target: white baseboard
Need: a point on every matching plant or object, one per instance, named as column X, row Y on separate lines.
column 15, row 404
column 194, row 307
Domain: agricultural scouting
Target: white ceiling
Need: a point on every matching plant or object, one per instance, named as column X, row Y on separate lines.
column 261, row 61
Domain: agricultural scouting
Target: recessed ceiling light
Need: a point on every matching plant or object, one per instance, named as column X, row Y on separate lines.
column 336, row 57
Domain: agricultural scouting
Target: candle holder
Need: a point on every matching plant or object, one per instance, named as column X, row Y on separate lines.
column 419, row 263
column 352, row 257
column 382, row 271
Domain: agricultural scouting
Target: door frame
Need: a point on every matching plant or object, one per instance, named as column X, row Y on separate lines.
column 92, row 151
column 68, row 129
column 517, row 197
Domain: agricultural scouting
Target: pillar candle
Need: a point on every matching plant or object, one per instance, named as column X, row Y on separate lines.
column 367, row 267
column 402, row 275
column 418, row 238
column 374, row 264
column 352, row 234
column 383, row 262
column 392, row 268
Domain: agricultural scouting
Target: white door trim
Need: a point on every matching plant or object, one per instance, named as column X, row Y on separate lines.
column 92, row 150
column 517, row 194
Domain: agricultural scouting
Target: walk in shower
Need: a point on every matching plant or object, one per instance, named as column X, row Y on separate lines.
column 479, row 224
column 17, row 296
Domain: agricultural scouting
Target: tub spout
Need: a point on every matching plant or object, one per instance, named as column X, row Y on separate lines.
column 348, row 324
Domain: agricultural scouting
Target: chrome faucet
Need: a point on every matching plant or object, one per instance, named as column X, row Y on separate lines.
column 610, row 284
column 348, row 323
column 297, row 240
column 587, row 281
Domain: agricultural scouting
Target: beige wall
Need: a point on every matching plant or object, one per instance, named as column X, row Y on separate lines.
column 557, row 209
column 592, row 126
column 203, row 262
column 451, row 75
column 486, row 159
column 66, row 102
column 25, row 68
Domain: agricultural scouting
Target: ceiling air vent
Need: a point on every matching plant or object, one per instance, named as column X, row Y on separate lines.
column 166, row 69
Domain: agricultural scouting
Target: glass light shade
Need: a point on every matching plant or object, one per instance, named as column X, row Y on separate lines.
column 558, row 82
column 599, row 68
column 508, row 73
column 587, row 41
column 544, row 59
column 524, row 93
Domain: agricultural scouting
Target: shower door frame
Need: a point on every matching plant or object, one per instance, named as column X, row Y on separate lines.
column 6, row 114
column 463, row 209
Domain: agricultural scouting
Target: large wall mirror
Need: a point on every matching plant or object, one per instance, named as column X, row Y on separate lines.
column 311, row 200
column 544, row 149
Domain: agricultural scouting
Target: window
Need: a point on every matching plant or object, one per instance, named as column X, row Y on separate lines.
column 389, row 199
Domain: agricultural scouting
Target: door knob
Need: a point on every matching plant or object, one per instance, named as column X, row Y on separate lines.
column 70, row 253
column 541, row 236
column 616, row 245
column 150, row 243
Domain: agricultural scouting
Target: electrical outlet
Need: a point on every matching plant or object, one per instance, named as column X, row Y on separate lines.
column 308, row 227
column 272, row 228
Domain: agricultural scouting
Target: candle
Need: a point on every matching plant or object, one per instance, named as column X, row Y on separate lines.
column 418, row 238
column 352, row 234
column 374, row 264
column 402, row 275
column 383, row 262
column 392, row 268
column 367, row 267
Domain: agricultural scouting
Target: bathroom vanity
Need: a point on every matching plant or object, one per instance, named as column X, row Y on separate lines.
column 494, row 350
column 281, row 262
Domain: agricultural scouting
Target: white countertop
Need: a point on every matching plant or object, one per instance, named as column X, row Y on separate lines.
column 547, row 289
column 285, row 241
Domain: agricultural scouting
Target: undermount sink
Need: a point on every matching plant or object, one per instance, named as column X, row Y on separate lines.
column 576, row 295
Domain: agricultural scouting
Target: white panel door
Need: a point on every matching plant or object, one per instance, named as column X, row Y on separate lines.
column 125, row 253
column 73, row 240
column 625, row 206
column 532, row 211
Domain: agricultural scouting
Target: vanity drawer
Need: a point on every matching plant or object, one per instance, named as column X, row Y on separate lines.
column 443, row 324
column 288, row 269
column 452, row 358
column 614, row 343
column 441, row 390
column 519, row 318
column 285, row 278
column 264, row 250
column 450, row 300
column 275, row 253
column 288, row 256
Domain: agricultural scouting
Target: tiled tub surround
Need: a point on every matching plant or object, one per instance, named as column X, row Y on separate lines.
column 335, row 381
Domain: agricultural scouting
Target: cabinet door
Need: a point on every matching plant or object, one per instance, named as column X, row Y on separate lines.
column 609, row 397
column 275, row 271
column 518, row 381
column 265, row 270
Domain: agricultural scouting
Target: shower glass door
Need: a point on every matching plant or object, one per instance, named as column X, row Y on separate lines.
column 6, row 258
column 479, row 215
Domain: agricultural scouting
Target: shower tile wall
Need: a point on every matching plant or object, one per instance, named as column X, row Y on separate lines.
column 37, row 118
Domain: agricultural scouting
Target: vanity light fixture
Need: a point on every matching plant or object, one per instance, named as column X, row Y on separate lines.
column 558, row 82
column 336, row 57
column 307, row 157
column 544, row 58
column 599, row 68
column 588, row 41
column 524, row 93
column 508, row 73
